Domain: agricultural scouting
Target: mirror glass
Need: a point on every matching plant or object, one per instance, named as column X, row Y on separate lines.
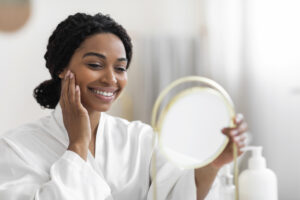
column 190, row 127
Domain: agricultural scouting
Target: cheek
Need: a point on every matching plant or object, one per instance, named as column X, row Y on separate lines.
column 78, row 81
column 123, row 81
column 84, row 77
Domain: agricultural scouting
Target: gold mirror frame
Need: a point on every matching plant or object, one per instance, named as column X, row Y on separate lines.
column 157, row 124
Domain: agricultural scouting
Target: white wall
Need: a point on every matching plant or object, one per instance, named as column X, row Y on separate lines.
column 272, row 73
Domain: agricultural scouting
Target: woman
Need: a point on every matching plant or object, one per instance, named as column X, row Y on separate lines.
column 79, row 152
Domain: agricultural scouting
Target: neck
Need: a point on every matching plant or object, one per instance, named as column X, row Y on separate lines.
column 94, row 120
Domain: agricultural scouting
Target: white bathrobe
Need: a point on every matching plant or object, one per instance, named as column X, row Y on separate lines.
column 35, row 164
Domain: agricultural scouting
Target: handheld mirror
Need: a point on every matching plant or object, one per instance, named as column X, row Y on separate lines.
column 189, row 124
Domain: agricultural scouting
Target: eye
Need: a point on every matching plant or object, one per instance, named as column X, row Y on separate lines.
column 121, row 69
column 93, row 65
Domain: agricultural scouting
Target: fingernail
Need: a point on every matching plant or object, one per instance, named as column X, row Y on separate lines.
column 67, row 74
column 71, row 75
column 234, row 132
column 239, row 117
column 236, row 139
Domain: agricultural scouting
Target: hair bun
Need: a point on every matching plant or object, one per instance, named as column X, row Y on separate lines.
column 47, row 94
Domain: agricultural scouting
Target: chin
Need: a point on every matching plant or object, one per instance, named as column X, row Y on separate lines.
column 97, row 107
column 102, row 108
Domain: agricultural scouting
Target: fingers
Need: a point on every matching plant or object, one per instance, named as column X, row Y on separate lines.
column 239, row 119
column 64, row 89
column 237, row 134
column 241, row 127
column 240, row 140
column 77, row 96
column 68, row 91
column 71, row 90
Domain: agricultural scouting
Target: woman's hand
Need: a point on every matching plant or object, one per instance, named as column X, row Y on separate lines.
column 235, row 135
column 75, row 116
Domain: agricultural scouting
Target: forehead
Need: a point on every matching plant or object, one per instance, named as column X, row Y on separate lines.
column 104, row 43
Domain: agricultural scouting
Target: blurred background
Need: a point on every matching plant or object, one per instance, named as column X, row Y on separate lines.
column 250, row 47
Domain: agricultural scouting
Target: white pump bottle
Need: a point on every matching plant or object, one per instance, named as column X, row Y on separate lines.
column 258, row 182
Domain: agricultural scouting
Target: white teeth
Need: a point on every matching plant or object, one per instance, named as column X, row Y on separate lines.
column 107, row 94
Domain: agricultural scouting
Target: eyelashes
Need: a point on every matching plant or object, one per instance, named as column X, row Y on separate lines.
column 98, row 66
column 95, row 66
column 122, row 69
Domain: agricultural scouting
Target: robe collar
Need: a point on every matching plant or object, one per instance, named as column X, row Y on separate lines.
column 58, row 119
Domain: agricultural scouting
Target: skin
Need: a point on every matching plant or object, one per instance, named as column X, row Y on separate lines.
column 100, row 62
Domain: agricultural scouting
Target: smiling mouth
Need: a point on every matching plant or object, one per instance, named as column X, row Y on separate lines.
column 104, row 95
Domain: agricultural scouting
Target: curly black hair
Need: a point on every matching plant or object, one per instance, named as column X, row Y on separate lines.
column 63, row 42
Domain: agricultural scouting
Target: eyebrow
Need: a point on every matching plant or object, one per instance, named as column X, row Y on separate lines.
column 99, row 55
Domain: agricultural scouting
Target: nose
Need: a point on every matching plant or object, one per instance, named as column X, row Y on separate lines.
column 109, row 76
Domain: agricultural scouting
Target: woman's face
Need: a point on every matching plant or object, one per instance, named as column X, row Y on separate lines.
column 99, row 65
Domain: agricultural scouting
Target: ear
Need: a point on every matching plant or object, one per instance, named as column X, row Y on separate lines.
column 63, row 73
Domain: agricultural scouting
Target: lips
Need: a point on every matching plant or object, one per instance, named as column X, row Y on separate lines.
column 104, row 89
column 104, row 94
column 107, row 94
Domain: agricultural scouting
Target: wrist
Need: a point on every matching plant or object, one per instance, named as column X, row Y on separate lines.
column 80, row 148
column 79, row 140
column 216, row 165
